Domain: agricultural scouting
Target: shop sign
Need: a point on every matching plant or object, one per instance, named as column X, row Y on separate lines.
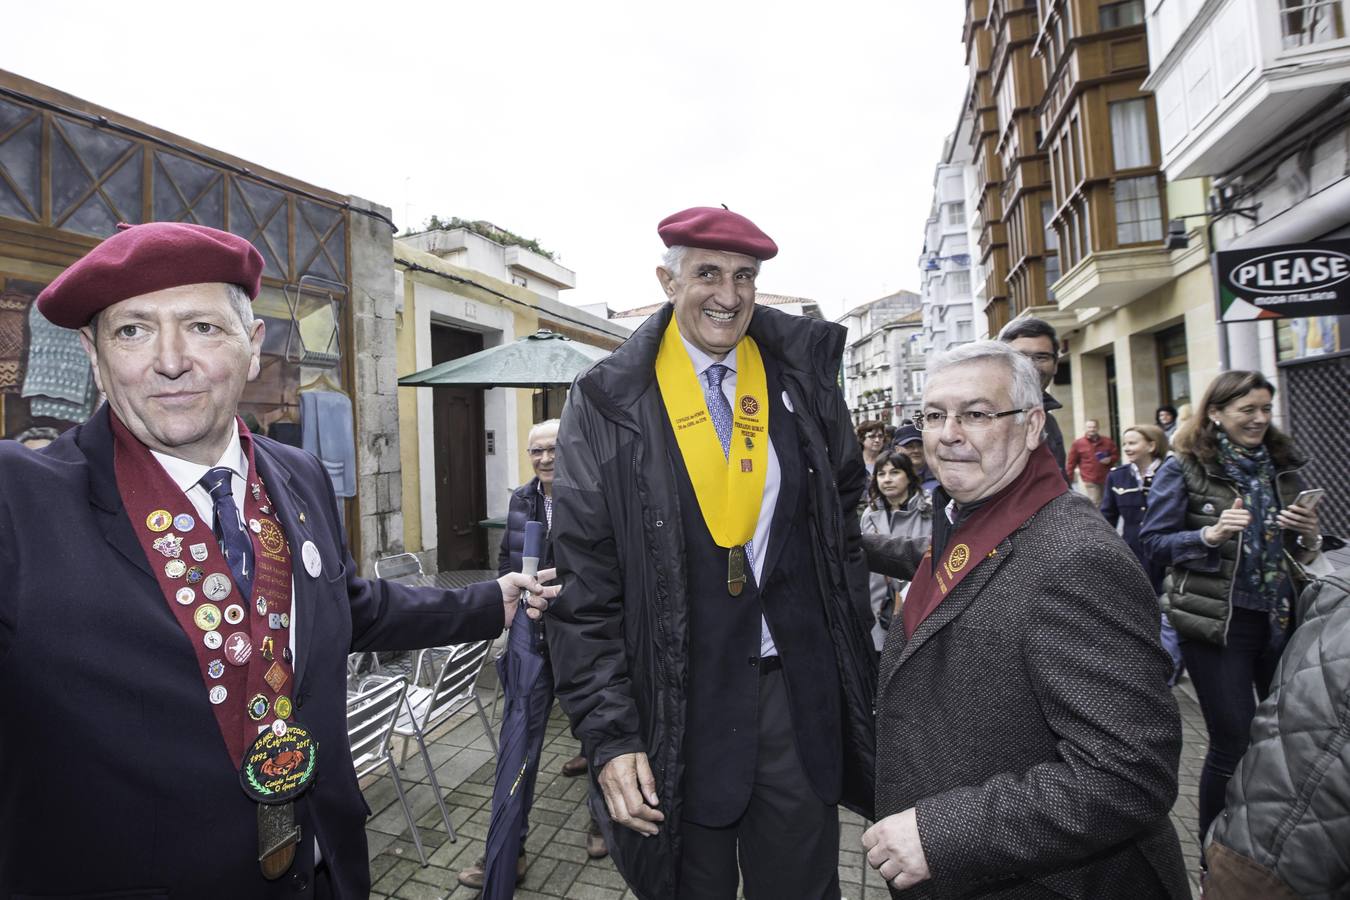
column 1292, row 280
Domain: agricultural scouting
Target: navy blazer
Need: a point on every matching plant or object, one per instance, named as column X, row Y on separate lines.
column 1124, row 498
column 114, row 778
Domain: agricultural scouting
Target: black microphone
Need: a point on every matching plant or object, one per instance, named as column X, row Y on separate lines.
column 529, row 565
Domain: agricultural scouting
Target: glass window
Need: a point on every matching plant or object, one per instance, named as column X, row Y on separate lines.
column 1129, row 134
column 1121, row 15
column 1051, row 275
column 956, row 213
column 958, row 283
column 1047, row 214
column 1305, row 22
column 1138, row 210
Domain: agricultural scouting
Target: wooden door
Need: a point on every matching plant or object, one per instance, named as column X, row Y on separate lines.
column 461, row 481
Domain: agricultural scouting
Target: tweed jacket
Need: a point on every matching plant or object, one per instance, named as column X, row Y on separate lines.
column 1029, row 722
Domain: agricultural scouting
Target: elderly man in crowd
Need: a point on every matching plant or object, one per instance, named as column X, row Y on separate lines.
column 711, row 642
column 1027, row 741
column 177, row 607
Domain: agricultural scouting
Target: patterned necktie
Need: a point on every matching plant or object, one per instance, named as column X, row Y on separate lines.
column 720, row 410
column 230, row 532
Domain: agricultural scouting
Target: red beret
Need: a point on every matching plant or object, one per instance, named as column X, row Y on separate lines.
column 141, row 259
column 711, row 228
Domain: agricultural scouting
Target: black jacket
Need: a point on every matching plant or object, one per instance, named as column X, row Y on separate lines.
column 618, row 633
column 1051, row 435
column 527, row 505
column 108, row 742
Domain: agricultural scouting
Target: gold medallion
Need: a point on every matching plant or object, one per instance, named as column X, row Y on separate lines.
column 736, row 571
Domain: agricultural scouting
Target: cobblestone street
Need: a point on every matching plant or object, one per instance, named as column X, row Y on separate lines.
column 558, row 866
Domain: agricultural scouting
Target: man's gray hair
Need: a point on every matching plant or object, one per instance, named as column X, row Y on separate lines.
column 673, row 260
column 1025, row 386
column 239, row 302
column 538, row 426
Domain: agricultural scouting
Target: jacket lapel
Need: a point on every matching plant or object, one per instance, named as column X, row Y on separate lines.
column 289, row 507
column 951, row 606
column 783, row 432
column 95, row 440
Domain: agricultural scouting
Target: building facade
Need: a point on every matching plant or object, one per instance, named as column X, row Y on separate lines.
column 944, row 266
column 463, row 448
column 71, row 170
column 884, row 345
column 1252, row 96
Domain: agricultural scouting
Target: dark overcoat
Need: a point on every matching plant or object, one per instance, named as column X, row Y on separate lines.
column 619, row 633
column 114, row 779
column 1029, row 722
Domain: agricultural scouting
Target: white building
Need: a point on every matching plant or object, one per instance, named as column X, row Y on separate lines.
column 1252, row 94
column 945, row 285
column 884, row 339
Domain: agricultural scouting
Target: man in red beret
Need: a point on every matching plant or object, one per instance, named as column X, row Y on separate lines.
column 711, row 644
column 177, row 607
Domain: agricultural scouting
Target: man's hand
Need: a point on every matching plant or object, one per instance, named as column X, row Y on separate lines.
column 630, row 793
column 893, row 849
column 1231, row 521
column 537, row 596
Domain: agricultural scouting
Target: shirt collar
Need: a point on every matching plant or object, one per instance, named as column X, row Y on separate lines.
column 186, row 474
column 702, row 360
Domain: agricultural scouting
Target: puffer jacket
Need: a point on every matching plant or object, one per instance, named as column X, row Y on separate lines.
column 1188, row 496
column 913, row 520
column 527, row 505
column 1285, row 831
column 618, row 632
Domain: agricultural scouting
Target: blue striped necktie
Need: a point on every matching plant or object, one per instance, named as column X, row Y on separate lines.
column 231, row 533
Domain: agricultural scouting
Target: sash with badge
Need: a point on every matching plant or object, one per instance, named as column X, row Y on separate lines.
column 729, row 485
column 242, row 643
column 978, row 538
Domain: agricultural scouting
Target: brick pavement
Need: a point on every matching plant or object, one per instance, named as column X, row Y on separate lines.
column 558, row 866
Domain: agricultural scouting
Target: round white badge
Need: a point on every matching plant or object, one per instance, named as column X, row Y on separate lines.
column 279, row 727
column 216, row 587
column 212, row 640
column 218, row 694
column 787, row 401
column 234, row 614
column 313, row 563
column 185, row 596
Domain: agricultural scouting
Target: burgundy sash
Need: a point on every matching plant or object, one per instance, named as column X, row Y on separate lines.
column 251, row 660
column 977, row 537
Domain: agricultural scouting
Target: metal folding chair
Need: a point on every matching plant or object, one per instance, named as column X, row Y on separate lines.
column 371, row 715
column 425, row 708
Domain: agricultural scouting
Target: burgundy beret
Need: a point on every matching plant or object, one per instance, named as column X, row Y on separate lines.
column 711, row 228
column 141, row 259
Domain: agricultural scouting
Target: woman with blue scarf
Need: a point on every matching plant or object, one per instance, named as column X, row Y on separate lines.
column 1221, row 518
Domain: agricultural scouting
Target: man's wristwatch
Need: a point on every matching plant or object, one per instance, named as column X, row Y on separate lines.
column 1312, row 546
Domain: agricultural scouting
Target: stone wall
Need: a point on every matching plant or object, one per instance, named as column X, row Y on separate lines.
column 379, row 488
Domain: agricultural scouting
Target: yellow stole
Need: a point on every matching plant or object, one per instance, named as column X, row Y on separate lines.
column 729, row 487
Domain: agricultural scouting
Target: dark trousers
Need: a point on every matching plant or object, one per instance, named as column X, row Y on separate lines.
column 1228, row 681
column 786, row 844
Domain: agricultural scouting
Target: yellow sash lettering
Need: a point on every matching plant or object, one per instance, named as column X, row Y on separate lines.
column 729, row 488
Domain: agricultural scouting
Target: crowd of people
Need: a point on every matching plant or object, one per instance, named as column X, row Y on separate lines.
column 754, row 613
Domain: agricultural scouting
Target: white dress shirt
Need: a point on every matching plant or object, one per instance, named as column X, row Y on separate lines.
column 772, row 479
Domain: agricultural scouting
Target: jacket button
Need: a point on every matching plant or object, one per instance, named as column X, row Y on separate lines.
column 659, row 523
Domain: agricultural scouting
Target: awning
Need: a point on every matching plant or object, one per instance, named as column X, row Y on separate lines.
column 542, row 360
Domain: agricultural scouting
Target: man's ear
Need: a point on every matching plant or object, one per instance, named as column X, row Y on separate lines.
column 667, row 280
column 89, row 341
column 1035, row 426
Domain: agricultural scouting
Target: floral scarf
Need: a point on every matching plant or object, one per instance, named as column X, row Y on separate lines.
column 1262, row 575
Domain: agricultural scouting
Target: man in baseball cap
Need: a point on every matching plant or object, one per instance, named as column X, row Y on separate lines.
column 711, row 644
column 178, row 604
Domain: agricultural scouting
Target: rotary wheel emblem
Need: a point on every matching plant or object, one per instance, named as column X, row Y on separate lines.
column 749, row 405
column 270, row 536
column 959, row 557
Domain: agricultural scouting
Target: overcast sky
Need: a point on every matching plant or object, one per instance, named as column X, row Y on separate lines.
column 580, row 124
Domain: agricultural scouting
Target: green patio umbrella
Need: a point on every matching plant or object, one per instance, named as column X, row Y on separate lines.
column 544, row 359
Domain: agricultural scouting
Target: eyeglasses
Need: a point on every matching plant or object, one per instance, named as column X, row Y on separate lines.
column 971, row 420
column 1041, row 357
column 536, row 452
